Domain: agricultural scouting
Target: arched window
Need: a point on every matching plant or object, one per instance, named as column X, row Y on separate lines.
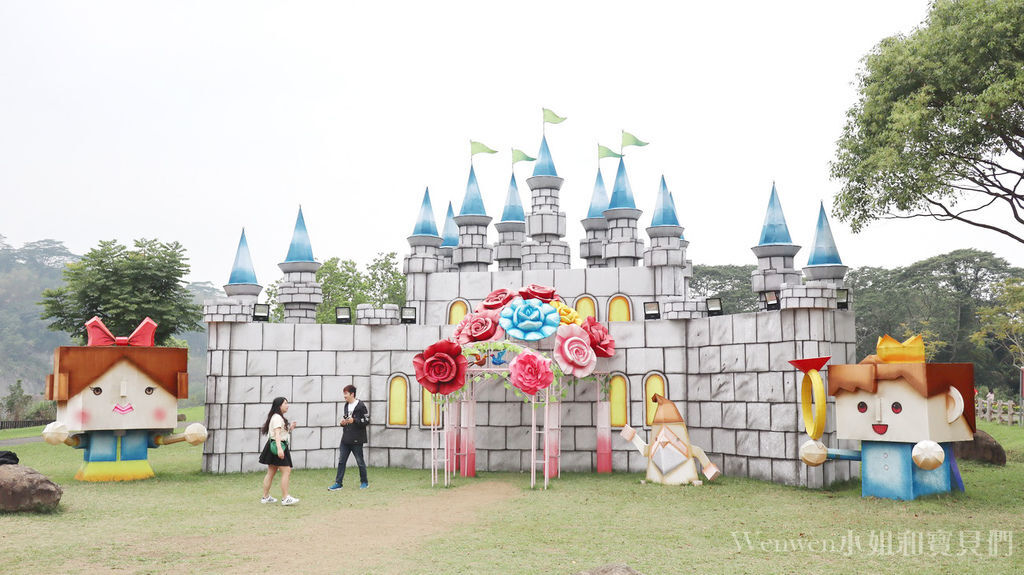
column 456, row 311
column 586, row 307
column 398, row 401
column 430, row 412
column 619, row 309
column 654, row 383
column 618, row 397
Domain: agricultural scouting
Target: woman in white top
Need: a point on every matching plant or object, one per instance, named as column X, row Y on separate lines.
column 279, row 430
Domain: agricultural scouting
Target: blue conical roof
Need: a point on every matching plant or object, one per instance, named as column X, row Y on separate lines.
column 451, row 231
column 665, row 210
column 242, row 272
column 824, row 251
column 599, row 201
column 425, row 225
column 775, row 230
column 472, row 204
column 545, row 166
column 622, row 193
column 513, row 206
column 300, row 250
column 672, row 200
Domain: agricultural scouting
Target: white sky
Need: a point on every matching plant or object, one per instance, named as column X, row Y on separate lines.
column 189, row 120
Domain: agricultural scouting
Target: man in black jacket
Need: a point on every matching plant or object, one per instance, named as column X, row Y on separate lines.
column 355, row 419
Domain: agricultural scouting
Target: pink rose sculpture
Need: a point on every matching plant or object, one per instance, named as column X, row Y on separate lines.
column 537, row 291
column 481, row 325
column 600, row 340
column 497, row 299
column 530, row 372
column 573, row 352
column 441, row 368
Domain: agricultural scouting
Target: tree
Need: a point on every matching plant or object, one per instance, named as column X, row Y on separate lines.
column 731, row 283
column 938, row 129
column 122, row 286
column 17, row 402
column 385, row 282
column 1002, row 324
column 343, row 286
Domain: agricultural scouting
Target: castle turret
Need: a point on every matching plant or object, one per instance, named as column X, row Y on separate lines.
column 824, row 263
column 774, row 251
column 449, row 240
column 299, row 292
column 511, row 230
column 424, row 241
column 592, row 247
column 473, row 254
column 666, row 256
column 545, row 225
column 242, row 284
column 624, row 248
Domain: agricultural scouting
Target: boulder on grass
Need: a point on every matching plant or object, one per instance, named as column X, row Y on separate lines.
column 983, row 448
column 25, row 489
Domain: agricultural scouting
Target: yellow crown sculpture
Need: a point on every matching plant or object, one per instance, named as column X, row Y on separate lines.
column 891, row 351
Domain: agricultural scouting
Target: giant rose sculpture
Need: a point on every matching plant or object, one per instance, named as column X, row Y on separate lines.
column 573, row 352
column 481, row 325
column 529, row 319
column 530, row 372
column 441, row 368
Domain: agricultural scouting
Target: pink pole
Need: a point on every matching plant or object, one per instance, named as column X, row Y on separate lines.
column 468, row 436
column 604, row 436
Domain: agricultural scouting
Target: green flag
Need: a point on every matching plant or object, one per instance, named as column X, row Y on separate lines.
column 631, row 140
column 605, row 152
column 551, row 117
column 478, row 148
column 520, row 156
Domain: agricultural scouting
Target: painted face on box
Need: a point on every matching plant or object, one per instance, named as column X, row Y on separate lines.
column 897, row 412
column 122, row 398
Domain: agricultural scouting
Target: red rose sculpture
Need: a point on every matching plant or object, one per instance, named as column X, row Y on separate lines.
column 573, row 352
column 600, row 339
column 441, row 368
column 530, row 372
column 537, row 291
column 496, row 299
column 480, row 325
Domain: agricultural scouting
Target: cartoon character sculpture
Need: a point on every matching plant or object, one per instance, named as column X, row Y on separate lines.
column 670, row 456
column 906, row 414
column 117, row 398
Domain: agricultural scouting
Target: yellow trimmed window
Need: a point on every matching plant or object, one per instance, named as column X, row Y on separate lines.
column 618, row 309
column 618, row 397
column 586, row 307
column 457, row 311
column 398, row 401
column 430, row 412
column 655, row 384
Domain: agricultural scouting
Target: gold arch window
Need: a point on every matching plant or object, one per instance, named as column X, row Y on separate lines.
column 398, row 401
column 618, row 398
column 654, row 384
column 619, row 309
column 456, row 311
column 430, row 412
column 586, row 307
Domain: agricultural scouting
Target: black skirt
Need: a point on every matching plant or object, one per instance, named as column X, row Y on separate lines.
column 268, row 458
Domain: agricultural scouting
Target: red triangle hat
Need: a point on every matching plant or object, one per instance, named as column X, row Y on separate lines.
column 811, row 363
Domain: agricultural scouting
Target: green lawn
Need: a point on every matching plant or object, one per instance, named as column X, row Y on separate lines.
column 185, row 521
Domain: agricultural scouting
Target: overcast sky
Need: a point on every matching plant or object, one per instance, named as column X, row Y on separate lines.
column 189, row 120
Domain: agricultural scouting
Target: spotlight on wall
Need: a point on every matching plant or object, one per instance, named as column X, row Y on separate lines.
column 652, row 310
column 408, row 315
column 714, row 306
column 261, row 312
column 842, row 298
column 343, row 315
column 771, row 300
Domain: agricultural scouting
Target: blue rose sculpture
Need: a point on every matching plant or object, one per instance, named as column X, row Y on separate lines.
column 529, row 320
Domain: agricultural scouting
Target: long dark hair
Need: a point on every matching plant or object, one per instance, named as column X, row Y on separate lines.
column 274, row 408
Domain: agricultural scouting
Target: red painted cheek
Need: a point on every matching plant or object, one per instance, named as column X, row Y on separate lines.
column 83, row 417
column 159, row 414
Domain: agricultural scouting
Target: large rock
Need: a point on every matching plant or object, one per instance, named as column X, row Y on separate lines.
column 983, row 448
column 25, row 489
column 613, row 569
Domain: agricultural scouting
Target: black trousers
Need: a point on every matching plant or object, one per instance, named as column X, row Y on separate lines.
column 357, row 450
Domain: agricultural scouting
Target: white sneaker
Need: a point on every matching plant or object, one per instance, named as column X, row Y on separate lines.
column 268, row 499
column 289, row 500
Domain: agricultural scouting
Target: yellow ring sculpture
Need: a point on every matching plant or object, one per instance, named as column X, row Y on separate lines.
column 812, row 400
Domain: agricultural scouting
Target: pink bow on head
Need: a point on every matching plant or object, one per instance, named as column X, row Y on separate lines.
column 143, row 336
